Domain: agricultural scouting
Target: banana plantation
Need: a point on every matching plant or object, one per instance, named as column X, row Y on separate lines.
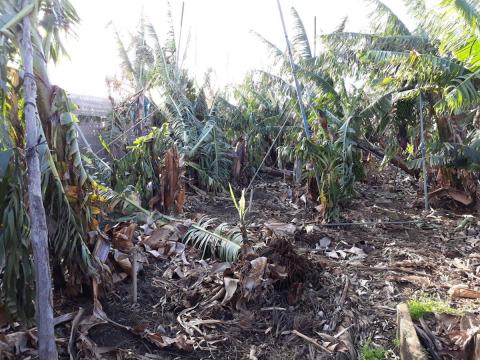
column 324, row 207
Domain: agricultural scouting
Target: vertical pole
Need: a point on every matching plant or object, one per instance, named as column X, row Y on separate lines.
column 134, row 259
column 423, row 150
column 38, row 224
column 180, row 34
column 314, row 36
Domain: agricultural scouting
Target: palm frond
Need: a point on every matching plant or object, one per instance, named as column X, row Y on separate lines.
column 278, row 55
column 410, row 66
column 126, row 64
column 300, row 43
column 385, row 21
column 467, row 9
column 461, row 95
column 16, row 268
column 222, row 242
column 378, row 108
column 341, row 26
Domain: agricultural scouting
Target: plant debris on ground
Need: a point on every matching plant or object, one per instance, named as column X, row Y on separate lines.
column 301, row 291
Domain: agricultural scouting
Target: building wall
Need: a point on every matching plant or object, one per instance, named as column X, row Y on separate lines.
column 91, row 128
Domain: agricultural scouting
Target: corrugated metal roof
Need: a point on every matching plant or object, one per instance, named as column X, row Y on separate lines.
column 92, row 105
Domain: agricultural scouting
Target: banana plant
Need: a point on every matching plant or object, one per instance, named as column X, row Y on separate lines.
column 69, row 201
column 242, row 210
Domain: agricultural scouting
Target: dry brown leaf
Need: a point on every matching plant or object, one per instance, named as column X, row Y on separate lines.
column 462, row 292
column 15, row 343
column 184, row 344
column 159, row 236
column 123, row 261
column 255, row 276
column 230, row 288
column 172, row 190
column 276, row 272
column 455, row 194
column 158, row 340
column 117, row 277
column 281, row 229
column 122, row 236
column 460, row 196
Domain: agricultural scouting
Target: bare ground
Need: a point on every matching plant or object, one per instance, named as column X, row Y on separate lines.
column 353, row 278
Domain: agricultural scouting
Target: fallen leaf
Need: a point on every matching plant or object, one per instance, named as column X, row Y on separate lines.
column 122, row 238
column 230, row 288
column 281, row 229
column 459, row 291
column 123, row 261
column 158, row 340
column 360, row 254
column 311, row 228
column 158, row 237
column 332, row 254
column 324, row 242
column 255, row 275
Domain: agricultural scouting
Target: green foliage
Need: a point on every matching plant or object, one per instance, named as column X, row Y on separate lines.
column 69, row 197
column 16, row 265
column 425, row 306
column 140, row 167
column 222, row 242
column 184, row 110
column 334, row 166
column 369, row 352
column 240, row 205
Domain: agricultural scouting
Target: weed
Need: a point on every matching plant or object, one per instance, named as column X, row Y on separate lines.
column 369, row 352
column 422, row 307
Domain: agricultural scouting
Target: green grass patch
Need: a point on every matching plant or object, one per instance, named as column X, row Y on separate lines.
column 370, row 352
column 421, row 307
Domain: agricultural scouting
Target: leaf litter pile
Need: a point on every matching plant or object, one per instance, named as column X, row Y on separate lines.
column 298, row 290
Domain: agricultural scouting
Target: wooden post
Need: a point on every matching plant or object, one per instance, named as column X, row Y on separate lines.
column 410, row 347
column 134, row 259
column 39, row 236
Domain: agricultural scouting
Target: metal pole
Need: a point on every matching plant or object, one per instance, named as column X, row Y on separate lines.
column 292, row 65
column 180, row 34
column 314, row 36
column 423, row 150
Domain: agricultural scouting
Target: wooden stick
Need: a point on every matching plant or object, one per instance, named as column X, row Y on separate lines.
column 410, row 347
column 310, row 340
column 71, row 341
column 134, row 274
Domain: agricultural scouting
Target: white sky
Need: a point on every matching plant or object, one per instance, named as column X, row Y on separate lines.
column 219, row 34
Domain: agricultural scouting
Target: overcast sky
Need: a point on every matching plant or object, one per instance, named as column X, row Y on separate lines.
column 219, row 32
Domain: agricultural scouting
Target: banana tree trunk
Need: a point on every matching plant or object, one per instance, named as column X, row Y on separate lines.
column 44, row 87
column 39, row 236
